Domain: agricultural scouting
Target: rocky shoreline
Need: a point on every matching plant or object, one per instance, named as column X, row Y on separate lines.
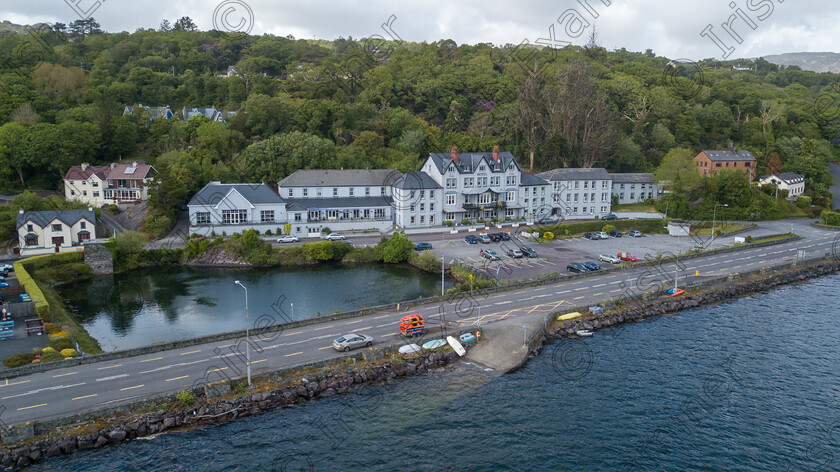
column 322, row 385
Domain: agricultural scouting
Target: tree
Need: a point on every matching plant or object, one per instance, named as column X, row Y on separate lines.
column 396, row 248
column 25, row 114
column 80, row 29
column 12, row 138
column 678, row 168
column 165, row 26
column 774, row 166
column 184, row 23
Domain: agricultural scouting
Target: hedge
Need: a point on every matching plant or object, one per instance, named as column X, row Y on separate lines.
column 41, row 305
column 652, row 226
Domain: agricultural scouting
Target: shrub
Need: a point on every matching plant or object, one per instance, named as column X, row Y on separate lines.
column 61, row 343
column 185, row 398
column 52, row 328
column 396, row 249
column 51, row 356
column 548, row 235
column 803, row 201
column 268, row 232
column 326, row 230
column 449, row 223
column 19, row 360
column 465, row 222
column 68, row 353
column 748, row 239
column 47, row 350
column 426, row 260
column 113, row 207
column 608, row 228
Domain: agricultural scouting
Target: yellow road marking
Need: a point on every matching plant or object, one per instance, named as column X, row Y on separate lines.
column 129, row 388
column 325, row 347
column 62, row 375
column 109, row 367
column 325, row 327
column 290, row 334
column 216, row 370
column 226, row 345
column 150, row 360
column 14, row 383
column 33, row 406
column 597, row 294
column 354, row 322
column 578, row 298
column 177, row 378
column 290, row 355
column 386, row 335
column 86, row 396
column 263, row 360
column 380, row 317
column 614, row 291
column 191, row 352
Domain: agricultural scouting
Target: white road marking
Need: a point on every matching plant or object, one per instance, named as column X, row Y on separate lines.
column 105, row 379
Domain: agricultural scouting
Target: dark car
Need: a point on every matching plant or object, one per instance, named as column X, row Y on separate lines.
column 577, row 267
column 495, row 237
column 615, row 233
column 529, row 252
column 471, row 239
column 422, row 246
column 609, row 217
column 504, row 236
column 591, row 265
column 592, row 236
column 548, row 220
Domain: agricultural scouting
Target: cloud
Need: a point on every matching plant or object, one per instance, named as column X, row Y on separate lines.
column 670, row 28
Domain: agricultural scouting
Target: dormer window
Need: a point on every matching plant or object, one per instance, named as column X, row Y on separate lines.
column 482, row 168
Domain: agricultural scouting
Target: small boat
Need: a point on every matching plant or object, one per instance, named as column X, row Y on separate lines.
column 459, row 349
column 676, row 291
column 466, row 338
column 435, row 343
column 584, row 333
column 410, row 349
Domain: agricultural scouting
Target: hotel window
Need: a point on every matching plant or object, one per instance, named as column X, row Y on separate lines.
column 632, row 195
column 482, row 181
column 622, row 187
column 95, row 194
column 335, row 192
column 568, row 197
column 83, row 225
column 542, row 190
column 468, row 182
column 577, row 185
column 511, row 196
column 535, row 191
column 592, row 198
column 29, row 228
column 291, row 192
column 56, row 228
column 382, row 191
column 297, row 218
column 267, row 216
column 586, row 185
column 367, row 191
column 422, row 219
column 351, row 191
column 431, row 219
column 585, row 198
column 202, row 218
column 495, row 181
column 482, row 168
column 422, row 195
column 234, row 217
column 31, row 240
column 431, row 207
column 84, row 183
column 412, row 208
column 84, row 192
column 511, row 180
column 72, row 193
column 451, row 183
column 576, row 198
column 94, row 184
column 412, row 220
column 422, row 207
column 306, row 192
column 450, row 199
column 604, row 184
column 318, row 191
column 574, row 210
column 526, row 202
column 621, row 195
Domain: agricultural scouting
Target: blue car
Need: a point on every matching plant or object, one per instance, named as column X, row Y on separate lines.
column 4, row 284
column 422, row 246
column 471, row 239
column 591, row 265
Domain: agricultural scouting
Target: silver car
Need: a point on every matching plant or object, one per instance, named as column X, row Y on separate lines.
column 288, row 239
column 609, row 258
column 336, row 237
column 352, row 341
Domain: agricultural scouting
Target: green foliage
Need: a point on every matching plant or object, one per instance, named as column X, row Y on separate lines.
column 126, row 249
column 326, row 230
column 19, row 360
column 397, row 248
column 113, row 207
column 449, row 223
column 803, row 201
column 185, row 398
column 426, row 260
column 607, row 228
column 28, row 201
column 319, row 251
column 465, row 222
column 62, row 343
column 193, row 248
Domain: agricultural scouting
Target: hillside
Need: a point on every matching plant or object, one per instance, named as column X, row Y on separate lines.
column 813, row 61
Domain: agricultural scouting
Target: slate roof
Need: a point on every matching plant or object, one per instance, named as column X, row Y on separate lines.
column 341, row 202
column 557, row 175
column 153, row 112
column 786, row 177
column 214, row 191
column 468, row 162
column 528, row 180
column 120, row 171
column 632, row 178
column 214, row 114
column 416, row 180
column 76, row 172
column 43, row 218
column 341, row 178
column 737, row 155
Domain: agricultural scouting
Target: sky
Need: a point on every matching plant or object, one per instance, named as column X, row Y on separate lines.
column 678, row 29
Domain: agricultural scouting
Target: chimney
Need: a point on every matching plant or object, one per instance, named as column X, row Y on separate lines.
column 113, row 164
column 134, row 164
column 90, row 208
column 84, row 166
column 20, row 211
column 454, row 153
column 497, row 153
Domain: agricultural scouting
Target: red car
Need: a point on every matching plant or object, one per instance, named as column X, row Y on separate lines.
column 624, row 256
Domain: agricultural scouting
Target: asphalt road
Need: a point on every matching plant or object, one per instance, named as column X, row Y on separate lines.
column 66, row 391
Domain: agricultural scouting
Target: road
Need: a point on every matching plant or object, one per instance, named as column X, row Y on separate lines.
column 73, row 390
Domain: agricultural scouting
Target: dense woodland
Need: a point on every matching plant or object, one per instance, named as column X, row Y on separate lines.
column 367, row 103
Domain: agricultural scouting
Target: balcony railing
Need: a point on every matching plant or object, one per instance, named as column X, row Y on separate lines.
column 487, row 206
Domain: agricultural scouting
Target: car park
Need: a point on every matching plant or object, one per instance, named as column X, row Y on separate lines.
column 529, row 252
column 336, row 237
column 615, row 233
column 515, row 253
column 591, row 265
column 352, row 341
column 471, row 239
column 635, row 233
column 609, row 258
column 627, row 257
column 288, row 239
column 489, row 254
column 422, row 247
column 484, row 239
column 609, row 217
column 577, row 267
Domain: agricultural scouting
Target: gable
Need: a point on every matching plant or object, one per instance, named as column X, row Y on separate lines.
column 233, row 200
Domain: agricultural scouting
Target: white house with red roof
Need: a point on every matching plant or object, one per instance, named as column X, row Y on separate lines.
column 125, row 182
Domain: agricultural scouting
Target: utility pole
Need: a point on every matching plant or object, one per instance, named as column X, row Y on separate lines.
column 247, row 337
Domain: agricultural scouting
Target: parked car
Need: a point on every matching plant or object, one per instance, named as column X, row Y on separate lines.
column 609, row 258
column 489, row 254
column 515, row 253
column 471, row 239
column 422, row 246
column 352, row 341
column 609, row 217
column 577, row 267
column 615, row 233
column 635, row 233
column 288, row 239
column 8, row 267
column 602, row 235
column 548, row 220
column 504, row 236
column 484, row 239
column 529, row 252
column 336, row 237
column 592, row 236
column 591, row 265
column 627, row 257
column 4, row 284
column 495, row 237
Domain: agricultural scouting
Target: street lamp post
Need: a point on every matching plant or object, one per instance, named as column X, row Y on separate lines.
column 714, row 216
column 247, row 337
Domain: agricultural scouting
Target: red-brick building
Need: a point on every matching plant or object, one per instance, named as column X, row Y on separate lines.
column 709, row 163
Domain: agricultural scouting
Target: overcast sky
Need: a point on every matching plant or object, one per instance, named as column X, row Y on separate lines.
column 670, row 28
